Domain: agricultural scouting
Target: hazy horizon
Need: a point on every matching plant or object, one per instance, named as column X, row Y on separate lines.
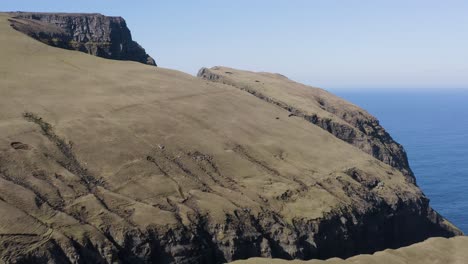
column 330, row 44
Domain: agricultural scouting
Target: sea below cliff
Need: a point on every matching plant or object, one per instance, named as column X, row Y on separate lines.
column 432, row 125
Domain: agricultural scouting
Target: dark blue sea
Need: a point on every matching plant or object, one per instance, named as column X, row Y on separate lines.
column 433, row 128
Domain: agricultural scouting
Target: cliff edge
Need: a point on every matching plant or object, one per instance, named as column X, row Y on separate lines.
column 340, row 118
column 102, row 36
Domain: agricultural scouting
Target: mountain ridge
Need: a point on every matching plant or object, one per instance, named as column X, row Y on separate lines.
column 340, row 118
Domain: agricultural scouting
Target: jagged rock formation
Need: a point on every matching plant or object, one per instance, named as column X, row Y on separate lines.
column 110, row 162
column 434, row 250
column 102, row 36
column 342, row 119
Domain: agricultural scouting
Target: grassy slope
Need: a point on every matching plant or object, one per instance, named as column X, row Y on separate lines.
column 434, row 251
column 341, row 118
column 116, row 113
column 116, row 117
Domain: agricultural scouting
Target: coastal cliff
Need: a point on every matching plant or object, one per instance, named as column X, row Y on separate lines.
column 116, row 162
column 102, row 36
column 317, row 106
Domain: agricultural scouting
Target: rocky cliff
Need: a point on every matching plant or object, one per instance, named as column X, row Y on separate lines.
column 102, row 36
column 113, row 162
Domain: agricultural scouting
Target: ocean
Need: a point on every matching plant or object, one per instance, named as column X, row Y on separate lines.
column 433, row 128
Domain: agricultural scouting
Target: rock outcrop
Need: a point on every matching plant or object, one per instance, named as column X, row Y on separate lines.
column 126, row 163
column 102, row 36
column 339, row 117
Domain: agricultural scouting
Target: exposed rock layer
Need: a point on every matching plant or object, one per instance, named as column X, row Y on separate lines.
column 102, row 36
column 130, row 164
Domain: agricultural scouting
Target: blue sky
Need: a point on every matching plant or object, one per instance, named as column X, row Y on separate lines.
column 334, row 44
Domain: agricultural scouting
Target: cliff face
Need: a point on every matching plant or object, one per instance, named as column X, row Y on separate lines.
column 340, row 118
column 102, row 36
column 132, row 164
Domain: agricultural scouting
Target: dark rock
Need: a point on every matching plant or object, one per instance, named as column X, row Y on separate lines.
column 96, row 34
column 19, row 145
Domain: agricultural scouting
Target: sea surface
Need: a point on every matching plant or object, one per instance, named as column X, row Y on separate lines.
column 433, row 128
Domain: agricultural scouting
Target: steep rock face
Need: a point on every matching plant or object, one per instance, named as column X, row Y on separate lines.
column 102, row 36
column 342, row 119
column 131, row 164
